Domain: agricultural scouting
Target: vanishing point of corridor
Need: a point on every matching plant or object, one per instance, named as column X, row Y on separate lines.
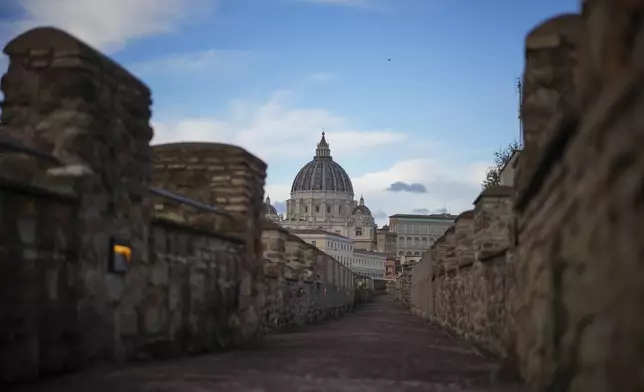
column 380, row 347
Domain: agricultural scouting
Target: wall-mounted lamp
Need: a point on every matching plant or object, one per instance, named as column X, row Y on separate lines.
column 120, row 256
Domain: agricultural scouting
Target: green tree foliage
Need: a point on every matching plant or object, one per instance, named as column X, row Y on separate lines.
column 501, row 157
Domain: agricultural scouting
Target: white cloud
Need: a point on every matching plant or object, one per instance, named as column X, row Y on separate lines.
column 109, row 25
column 275, row 130
column 208, row 60
column 450, row 184
column 322, row 77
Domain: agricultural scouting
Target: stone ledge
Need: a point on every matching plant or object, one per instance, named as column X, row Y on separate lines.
column 496, row 191
column 173, row 224
column 469, row 264
column 487, row 256
column 62, row 195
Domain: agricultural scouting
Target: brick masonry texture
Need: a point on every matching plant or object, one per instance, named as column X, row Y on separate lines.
column 556, row 281
column 198, row 281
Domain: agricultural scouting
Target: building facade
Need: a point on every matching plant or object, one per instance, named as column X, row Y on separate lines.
column 335, row 245
column 386, row 241
column 341, row 248
column 322, row 198
column 369, row 263
column 415, row 234
column 390, row 268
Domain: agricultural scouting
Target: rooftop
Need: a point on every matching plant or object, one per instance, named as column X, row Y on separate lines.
column 370, row 252
column 299, row 232
column 425, row 216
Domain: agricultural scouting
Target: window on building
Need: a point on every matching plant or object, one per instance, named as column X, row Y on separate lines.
column 358, row 230
column 306, row 209
column 314, row 243
column 317, row 209
column 328, row 210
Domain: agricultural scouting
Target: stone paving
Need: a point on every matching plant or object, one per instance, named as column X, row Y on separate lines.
column 380, row 347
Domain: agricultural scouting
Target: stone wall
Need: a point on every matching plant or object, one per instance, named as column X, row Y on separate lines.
column 556, row 284
column 66, row 99
column 463, row 282
column 303, row 284
column 579, row 252
column 231, row 179
column 196, row 280
column 403, row 288
column 39, row 319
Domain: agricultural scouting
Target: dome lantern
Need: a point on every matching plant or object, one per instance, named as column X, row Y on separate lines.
column 323, row 150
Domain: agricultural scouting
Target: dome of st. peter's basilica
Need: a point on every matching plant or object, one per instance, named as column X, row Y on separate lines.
column 322, row 198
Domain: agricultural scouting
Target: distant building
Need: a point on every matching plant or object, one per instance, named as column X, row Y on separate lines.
column 390, row 268
column 335, row 245
column 417, row 233
column 386, row 241
column 322, row 198
column 508, row 170
column 369, row 263
column 341, row 248
column 270, row 212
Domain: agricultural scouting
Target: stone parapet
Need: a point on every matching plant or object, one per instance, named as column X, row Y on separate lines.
column 466, row 280
column 63, row 98
column 493, row 219
column 567, row 276
column 92, row 272
column 221, row 175
column 232, row 180
column 548, row 89
column 303, row 284
column 464, row 237
column 579, row 250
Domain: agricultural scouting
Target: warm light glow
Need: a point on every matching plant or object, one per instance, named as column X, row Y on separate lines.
column 124, row 251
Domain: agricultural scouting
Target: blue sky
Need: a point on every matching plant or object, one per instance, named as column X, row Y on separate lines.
column 268, row 75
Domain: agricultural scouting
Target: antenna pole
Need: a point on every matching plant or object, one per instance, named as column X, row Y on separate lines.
column 520, row 93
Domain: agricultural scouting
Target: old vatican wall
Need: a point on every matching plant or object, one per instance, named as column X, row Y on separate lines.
column 206, row 271
column 549, row 274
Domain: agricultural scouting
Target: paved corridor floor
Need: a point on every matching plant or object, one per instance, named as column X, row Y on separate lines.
column 380, row 347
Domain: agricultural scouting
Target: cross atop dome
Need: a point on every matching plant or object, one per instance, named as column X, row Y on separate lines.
column 323, row 150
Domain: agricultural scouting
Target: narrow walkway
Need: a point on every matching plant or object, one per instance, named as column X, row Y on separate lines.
column 378, row 348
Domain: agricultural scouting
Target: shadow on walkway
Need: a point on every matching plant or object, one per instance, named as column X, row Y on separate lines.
column 380, row 347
